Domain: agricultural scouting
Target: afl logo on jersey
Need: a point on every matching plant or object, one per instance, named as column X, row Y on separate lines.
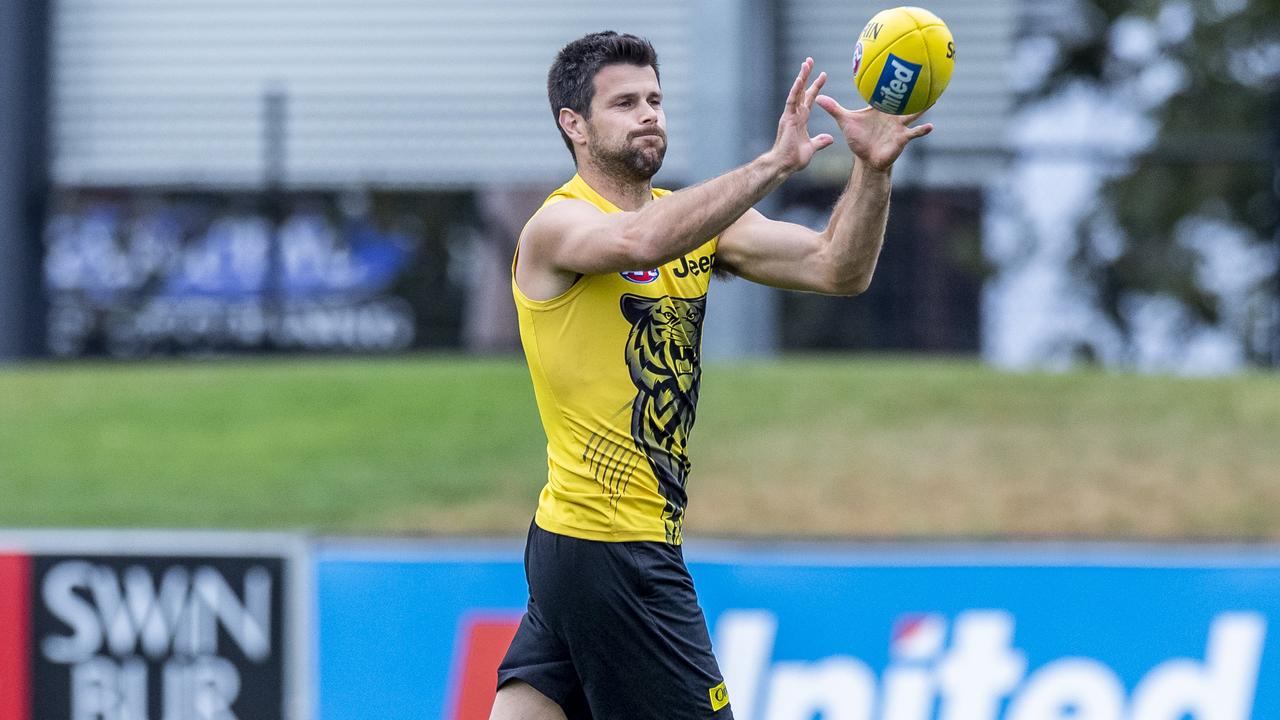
column 640, row 277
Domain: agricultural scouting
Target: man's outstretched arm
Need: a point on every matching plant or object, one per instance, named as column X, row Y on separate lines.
column 574, row 237
column 840, row 259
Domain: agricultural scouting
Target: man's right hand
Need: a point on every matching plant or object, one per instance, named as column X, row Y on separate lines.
column 793, row 148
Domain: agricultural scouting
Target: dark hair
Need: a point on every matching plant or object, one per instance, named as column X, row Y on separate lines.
column 571, row 81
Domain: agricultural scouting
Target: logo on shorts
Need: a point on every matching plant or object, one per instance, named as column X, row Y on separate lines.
column 640, row 277
column 857, row 58
column 719, row 697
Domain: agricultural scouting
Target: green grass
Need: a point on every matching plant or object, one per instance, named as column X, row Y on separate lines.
column 804, row 447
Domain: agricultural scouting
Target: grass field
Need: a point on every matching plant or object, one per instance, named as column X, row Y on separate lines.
column 805, row 447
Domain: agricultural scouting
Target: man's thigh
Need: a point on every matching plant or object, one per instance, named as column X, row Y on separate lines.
column 518, row 700
column 614, row 632
column 539, row 662
column 644, row 652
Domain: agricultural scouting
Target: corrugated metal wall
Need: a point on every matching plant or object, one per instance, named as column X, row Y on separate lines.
column 970, row 118
column 420, row 93
column 387, row 92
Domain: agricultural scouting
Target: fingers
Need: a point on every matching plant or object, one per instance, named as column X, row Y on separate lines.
column 812, row 92
column 796, row 95
column 828, row 103
column 793, row 97
column 919, row 131
column 908, row 119
column 821, row 141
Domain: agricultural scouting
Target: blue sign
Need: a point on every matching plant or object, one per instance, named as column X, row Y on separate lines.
column 805, row 632
column 135, row 276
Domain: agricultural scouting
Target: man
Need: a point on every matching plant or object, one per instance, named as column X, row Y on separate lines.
column 610, row 281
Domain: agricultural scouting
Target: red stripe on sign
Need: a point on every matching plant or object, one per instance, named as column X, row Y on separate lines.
column 485, row 640
column 15, row 627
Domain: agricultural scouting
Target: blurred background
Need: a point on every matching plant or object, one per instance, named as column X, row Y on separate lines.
column 255, row 275
column 223, row 177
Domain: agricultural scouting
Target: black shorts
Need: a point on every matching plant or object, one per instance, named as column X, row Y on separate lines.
column 614, row 631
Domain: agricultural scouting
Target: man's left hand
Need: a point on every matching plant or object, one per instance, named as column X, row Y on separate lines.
column 875, row 137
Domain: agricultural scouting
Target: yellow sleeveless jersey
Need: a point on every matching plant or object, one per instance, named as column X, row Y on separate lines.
column 615, row 362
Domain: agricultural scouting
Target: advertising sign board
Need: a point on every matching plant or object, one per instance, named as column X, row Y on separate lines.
column 132, row 274
column 803, row 632
column 130, row 627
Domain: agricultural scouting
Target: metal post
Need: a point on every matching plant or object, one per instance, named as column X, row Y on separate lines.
column 275, row 106
column 1275, row 189
column 24, row 177
column 736, row 57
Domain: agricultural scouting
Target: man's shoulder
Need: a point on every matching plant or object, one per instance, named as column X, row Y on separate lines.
column 553, row 221
column 558, row 210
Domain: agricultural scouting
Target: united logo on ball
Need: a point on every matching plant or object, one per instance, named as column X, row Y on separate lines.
column 903, row 60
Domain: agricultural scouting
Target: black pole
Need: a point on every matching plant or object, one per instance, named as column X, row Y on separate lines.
column 1275, row 190
column 24, row 176
column 273, row 148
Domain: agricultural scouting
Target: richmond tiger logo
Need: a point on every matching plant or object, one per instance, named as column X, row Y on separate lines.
column 663, row 357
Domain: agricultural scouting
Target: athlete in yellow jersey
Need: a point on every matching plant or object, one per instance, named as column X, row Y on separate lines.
column 615, row 369
column 610, row 281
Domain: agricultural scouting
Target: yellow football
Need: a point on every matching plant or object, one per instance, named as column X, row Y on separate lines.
column 903, row 60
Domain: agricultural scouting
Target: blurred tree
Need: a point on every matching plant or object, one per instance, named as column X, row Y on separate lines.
column 1207, row 74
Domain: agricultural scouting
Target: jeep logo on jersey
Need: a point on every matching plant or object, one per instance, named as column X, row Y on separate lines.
column 695, row 267
column 857, row 58
column 897, row 80
column 642, row 277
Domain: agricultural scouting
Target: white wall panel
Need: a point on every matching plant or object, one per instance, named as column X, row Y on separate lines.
column 422, row 93
column 398, row 92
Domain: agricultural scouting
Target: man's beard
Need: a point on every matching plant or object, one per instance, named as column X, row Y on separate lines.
column 630, row 162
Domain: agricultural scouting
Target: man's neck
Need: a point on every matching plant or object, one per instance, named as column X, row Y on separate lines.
column 628, row 196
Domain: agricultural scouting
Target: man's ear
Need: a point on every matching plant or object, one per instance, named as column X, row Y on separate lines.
column 574, row 125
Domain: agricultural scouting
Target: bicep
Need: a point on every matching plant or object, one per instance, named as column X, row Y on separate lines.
column 575, row 237
column 775, row 253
